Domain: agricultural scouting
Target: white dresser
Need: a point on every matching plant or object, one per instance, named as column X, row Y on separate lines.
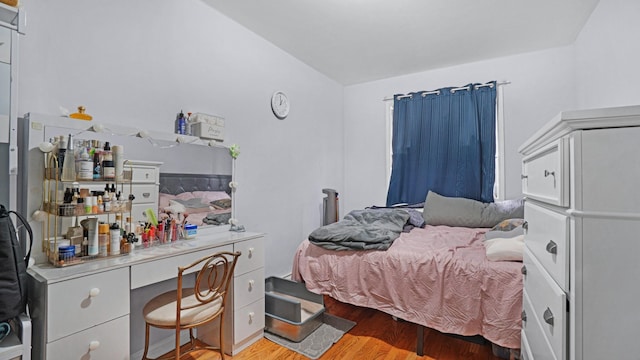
column 84, row 311
column 581, row 178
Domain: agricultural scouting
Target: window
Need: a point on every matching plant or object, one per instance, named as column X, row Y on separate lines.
column 498, row 188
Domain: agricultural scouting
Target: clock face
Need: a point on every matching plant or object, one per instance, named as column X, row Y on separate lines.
column 280, row 104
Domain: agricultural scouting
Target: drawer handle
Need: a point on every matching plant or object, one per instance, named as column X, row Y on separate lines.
column 251, row 315
column 250, row 251
column 551, row 173
column 94, row 292
column 548, row 316
column 146, row 195
column 525, row 226
column 523, row 315
column 94, row 345
column 552, row 247
column 251, row 283
column 523, row 270
column 522, row 177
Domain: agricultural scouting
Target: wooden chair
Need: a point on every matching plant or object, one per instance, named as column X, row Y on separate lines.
column 194, row 306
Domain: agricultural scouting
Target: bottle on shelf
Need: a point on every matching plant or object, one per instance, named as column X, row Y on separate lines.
column 108, row 168
column 69, row 166
column 114, row 244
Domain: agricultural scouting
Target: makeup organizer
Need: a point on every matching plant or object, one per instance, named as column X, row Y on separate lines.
column 72, row 247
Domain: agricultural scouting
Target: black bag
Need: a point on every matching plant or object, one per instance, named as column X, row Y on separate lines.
column 13, row 267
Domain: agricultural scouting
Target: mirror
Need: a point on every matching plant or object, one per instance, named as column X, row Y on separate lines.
column 193, row 177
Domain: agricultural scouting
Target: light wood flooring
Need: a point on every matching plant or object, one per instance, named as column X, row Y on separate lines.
column 376, row 336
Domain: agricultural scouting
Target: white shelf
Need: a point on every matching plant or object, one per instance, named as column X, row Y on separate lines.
column 8, row 16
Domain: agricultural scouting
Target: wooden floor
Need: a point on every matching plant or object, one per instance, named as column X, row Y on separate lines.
column 376, row 336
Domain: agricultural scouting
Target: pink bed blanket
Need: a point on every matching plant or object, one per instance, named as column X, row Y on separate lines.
column 438, row 277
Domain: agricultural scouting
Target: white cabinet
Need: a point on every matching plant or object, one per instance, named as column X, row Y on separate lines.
column 247, row 318
column 580, row 176
column 86, row 310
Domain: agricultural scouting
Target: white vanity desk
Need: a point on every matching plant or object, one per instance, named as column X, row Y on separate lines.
column 89, row 310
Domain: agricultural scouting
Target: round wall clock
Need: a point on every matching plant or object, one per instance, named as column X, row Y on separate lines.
column 280, row 104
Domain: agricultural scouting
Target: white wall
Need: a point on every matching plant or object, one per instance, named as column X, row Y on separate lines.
column 541, row 86
column 607, row 56
column 140, row 62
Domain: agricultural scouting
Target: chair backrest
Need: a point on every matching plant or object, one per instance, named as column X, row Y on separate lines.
column 211, row 284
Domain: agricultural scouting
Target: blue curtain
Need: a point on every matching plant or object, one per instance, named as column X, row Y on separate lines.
column 444, row 142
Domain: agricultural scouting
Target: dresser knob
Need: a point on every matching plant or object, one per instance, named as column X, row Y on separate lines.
column 251, row 283
column 94, row 292
column 523, row 315
column 552, row 247
column 548, row 316
column 250, row 251
column 525, row 226
column 522, row 177
column 251, row 315
column 94, row 345
column 523, row 270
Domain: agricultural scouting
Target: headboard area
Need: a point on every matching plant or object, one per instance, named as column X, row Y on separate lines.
column 175, row 184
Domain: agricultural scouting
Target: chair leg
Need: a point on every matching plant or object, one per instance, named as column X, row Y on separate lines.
column 146, row 341
column 177, row 350
column 221, row 332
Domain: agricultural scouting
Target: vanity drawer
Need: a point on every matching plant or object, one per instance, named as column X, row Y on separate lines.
column 549, row 305
column 534, row 342
column 77, row 304
column 252, row 256
column 145, row 194
column 248, row 320
column 142, row 174
column 159, row 270
column 109, row 341
column 545, row 173
column 547, row 236
column 248, row 288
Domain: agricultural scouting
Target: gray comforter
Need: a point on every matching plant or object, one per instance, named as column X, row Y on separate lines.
column 362, row 230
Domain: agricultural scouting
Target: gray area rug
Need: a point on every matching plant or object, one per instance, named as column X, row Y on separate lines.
column 319, row 341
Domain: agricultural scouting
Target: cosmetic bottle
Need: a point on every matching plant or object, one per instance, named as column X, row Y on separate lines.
column 84, row 165
column 114, row 244
column 62, row 150
column 69, row 166
column 108, row 168
column 97, row 165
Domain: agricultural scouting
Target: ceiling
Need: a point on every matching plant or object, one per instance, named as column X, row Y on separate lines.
column 355, row 41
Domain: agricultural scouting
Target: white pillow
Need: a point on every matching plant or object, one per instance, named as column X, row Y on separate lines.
column 505, row 249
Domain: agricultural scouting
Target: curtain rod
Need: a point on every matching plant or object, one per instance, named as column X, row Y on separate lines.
column 437, row 92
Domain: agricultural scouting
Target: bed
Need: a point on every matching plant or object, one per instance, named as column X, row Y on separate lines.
column 205, row 197
column 438, row 276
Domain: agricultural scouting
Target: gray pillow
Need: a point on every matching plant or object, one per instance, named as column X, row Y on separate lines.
column 452, row 211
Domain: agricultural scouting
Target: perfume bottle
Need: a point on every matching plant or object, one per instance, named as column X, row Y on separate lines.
column 69, row 165
column 81, row 115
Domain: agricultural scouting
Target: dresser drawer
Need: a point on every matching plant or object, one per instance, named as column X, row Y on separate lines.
column 247, row 320
column 109, row 341
column 547, row 237
column 545, row 174
column 159, row 270
column 549, row 304
column 534, row 343
column 248, row 288
column 252, row 256
column 77, row 304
